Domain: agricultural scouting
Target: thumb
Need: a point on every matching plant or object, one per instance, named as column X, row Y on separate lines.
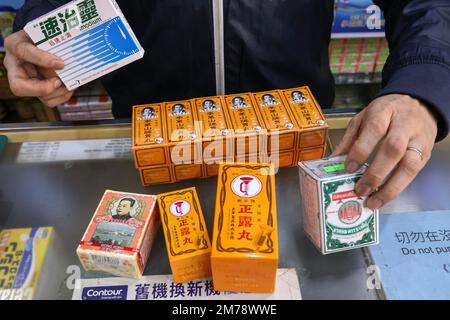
column 349, row 137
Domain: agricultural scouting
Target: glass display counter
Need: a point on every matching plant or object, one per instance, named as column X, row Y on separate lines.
column 54, row 175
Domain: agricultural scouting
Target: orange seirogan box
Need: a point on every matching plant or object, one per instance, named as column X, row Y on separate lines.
column 244, row 254
column 308, row 115
column 187, row 239
column 240, row 125
column 120, row 235
column 149, row 135
column 278, row 120
column 216, row 130
column 183, row 135
column 247, row 124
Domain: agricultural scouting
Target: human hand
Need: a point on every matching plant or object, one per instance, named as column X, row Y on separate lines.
column 31, row 71
column 405, row 127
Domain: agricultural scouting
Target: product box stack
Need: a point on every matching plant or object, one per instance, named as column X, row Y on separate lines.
column 86, row 108
column 359, row 58
column 180, row 140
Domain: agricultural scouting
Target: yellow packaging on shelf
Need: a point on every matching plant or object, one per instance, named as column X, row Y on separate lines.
column 216, row 130
column 244, row 257
column 278, row 120
column 22, row 254
column 180, row 140
column 308, row 115
column 183, row 134
column 149, row 135
column 187, row 239
column 247, row 124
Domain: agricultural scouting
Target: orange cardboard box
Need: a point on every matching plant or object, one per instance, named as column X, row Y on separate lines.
column 215, row 128
column 244, row 257
column 278, row 120
column 308, row 115
column 187, row 171
column 120, row 235
column 187, row 239
column 211, row 166
column 156, row 175
column 183, row 135
column 149, row 135
column 311, row 153
column 280, row 159
column 284, row 158
column 253, row 158
column 247, row 124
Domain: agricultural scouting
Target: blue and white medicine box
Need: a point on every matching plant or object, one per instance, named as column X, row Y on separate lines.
column 91, row 36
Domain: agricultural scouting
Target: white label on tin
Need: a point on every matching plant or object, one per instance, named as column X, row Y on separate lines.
column 347, row 219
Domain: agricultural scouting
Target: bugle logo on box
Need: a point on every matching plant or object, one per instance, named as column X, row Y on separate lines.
column 246, row 186
column 180, row 208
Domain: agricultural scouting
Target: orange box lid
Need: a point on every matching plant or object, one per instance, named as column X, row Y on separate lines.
column 304, row 107
column 212, row 117
column 119, row 223
column 243, row 114
column 245, row 222
column 181, row 121
column 149, row 125
column 273, row 110
column 183, row 224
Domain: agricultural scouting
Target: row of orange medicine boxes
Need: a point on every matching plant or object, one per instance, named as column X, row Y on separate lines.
column 187, row 139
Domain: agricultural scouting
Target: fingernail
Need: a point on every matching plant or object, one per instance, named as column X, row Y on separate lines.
column 57, row 64
column 363, row 190
column 352, row 166
column 375, row 203
column 57, row 83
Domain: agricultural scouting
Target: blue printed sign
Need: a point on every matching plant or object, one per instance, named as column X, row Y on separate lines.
column 414, row 255
column 357, row 18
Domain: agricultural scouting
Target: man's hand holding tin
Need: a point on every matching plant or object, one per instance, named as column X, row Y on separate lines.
column 405, row 130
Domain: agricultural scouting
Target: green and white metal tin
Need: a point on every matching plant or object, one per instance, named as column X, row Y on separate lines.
column 334, row 217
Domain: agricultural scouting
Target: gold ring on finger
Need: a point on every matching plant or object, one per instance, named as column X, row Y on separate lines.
column 416, row 150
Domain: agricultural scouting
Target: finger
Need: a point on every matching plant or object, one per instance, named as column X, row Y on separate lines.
column 391, row 151
column 403, row 175
column 373, row 128
column 26, row 87
column 22, row 85
column 57, row 101
column 349, row 137
column 61, row 91
column 47, row 73
column 31, row 70
column 20, row 46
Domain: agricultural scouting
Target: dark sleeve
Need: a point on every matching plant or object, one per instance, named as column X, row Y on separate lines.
column 418, row 33
column 33, row 9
